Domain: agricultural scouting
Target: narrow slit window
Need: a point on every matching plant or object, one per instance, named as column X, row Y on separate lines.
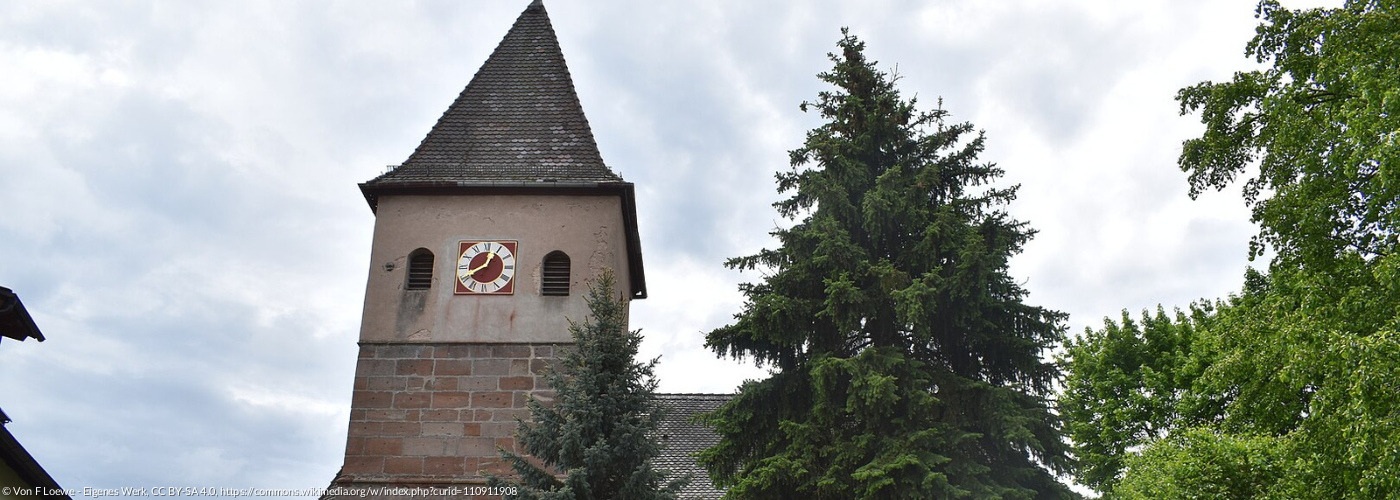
column 420, row 270
column 556, row 274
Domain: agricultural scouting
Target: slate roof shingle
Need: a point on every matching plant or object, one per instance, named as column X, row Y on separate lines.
column 681, row 439
column 519, row 120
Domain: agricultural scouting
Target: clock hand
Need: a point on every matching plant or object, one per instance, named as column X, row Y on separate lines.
column 489, row 255
column 483, row 265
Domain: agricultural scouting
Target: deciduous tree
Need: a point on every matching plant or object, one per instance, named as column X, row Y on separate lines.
column 1319, row 128
column 1286, row 390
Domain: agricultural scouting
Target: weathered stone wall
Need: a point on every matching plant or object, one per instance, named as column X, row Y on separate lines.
column 437, row 414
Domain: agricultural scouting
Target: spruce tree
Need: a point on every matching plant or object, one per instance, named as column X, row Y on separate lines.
column 599, row 432
column 904, row 361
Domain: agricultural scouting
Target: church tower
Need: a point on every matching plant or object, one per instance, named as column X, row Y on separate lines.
column 484, row 241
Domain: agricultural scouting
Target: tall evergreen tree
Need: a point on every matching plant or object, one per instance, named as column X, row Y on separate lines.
column 599, row 433
column 905, row 362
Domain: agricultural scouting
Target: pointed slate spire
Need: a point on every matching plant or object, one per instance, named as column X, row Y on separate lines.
column 519, row 121
column 517, row 128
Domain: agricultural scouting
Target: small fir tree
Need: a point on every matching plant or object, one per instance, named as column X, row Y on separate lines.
column 599, row 435
column 904, row 361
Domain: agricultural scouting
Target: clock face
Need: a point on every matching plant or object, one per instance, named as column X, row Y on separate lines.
column 485, row 267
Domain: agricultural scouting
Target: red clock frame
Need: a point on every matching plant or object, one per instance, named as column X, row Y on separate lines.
column 486, row 267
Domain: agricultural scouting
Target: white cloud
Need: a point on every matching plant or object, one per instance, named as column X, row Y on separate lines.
column 278, row 399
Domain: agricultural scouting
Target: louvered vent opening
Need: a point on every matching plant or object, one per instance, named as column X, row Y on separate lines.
column 556, row 274
column 420, row 270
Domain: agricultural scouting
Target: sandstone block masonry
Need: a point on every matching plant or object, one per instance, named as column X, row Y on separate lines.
column 426, row 414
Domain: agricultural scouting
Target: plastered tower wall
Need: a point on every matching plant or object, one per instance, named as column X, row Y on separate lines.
column 589, row 229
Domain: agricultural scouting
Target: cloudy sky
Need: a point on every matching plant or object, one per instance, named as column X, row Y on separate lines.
column 179, row 211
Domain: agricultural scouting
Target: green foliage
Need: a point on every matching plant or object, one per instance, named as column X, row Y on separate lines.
column 905, row 364
column 599, row 433
column 1122, row 386
column 1201, row 464
column 1322, row 124
column 1287, row 390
